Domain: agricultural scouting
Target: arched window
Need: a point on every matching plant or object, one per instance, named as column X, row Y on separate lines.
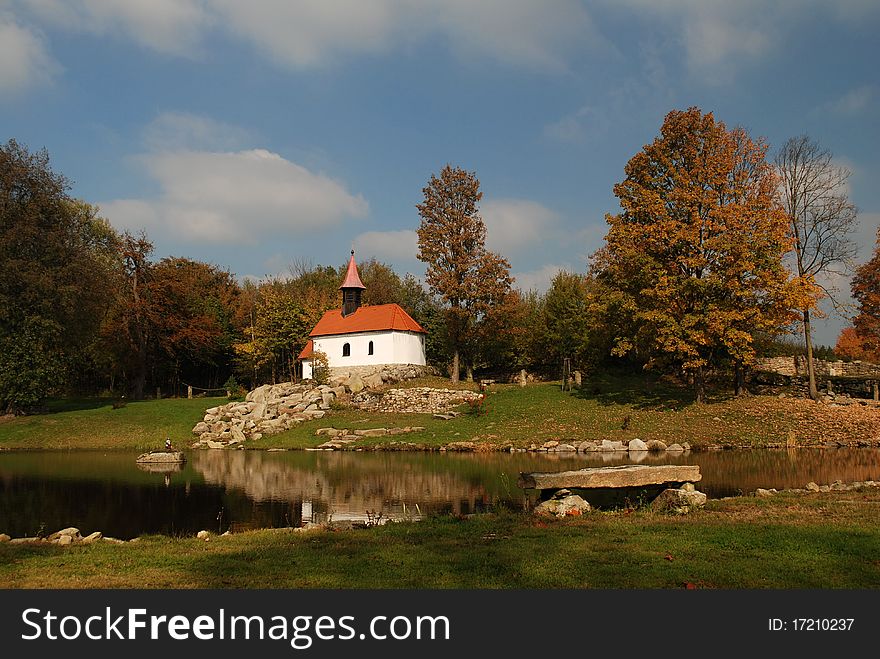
column 346, row 350
column 370, row 348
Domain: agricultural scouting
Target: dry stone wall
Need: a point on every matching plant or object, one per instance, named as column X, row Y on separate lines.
column 797, row 366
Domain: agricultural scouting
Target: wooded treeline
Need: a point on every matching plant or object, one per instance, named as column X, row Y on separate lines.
column 710, row 261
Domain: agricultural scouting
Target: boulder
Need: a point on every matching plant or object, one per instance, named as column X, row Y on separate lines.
column 675, row 448
column 762, row 493
column 678, row 501
column 201, row 427
column 608, row 445
column 92, row 537
column 4, row 537
column 812, row 487
column 637, row 445
column 373, row 381
column 550, row 444
column 655, row 445
column 564, row 448
column 70, row 532
column 203, row 535
column 564, row 506
column 372, row 432
column 355, row 384
column 326, row 400
column 64, row 540
column 588, row 447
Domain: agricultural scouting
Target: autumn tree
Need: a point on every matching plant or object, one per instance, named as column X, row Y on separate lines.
column 866, row 291
column 821, row 219
column 192, row 305
column 452, row 242
column 693, row 264
column 850, row 345
column 55, row 255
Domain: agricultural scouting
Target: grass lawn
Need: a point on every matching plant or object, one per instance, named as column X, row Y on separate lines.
column 791, row 540
column 92, row 423
column 514, row 416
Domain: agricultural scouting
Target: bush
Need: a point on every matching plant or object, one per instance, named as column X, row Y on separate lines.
column 320, row 367
column 235, row 390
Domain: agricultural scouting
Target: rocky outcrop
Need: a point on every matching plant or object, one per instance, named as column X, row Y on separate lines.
column 339, row 438
column 274, row 408
column 267, row 410
column 161, row 457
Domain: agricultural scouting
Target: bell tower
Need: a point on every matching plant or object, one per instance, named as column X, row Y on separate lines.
column 352, row 288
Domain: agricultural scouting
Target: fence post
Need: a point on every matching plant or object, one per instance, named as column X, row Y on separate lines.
column 189, row 391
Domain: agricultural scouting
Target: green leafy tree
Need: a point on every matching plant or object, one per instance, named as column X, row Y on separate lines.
column 55, row 256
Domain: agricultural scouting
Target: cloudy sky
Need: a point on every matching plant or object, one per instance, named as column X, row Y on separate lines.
column 252, row 134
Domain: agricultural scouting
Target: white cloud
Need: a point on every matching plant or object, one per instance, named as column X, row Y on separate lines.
column 173, row 27
column 539, row 279
column 244, row 197
column 179, row 131
column 853, row 102
column 514, row 225
column 394, row 246
column 24, row 61
column 308, row 33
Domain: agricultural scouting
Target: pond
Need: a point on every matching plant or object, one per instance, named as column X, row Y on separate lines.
column 237, row 490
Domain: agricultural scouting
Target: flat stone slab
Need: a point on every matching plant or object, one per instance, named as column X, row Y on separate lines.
column 611, row 477
column 154, row 457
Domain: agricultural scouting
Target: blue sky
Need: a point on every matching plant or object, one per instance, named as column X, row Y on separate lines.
column 253, row 134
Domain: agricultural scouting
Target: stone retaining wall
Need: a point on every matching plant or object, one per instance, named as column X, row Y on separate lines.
column 796, row 366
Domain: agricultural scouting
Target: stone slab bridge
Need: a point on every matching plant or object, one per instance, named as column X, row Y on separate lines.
column 623, row 476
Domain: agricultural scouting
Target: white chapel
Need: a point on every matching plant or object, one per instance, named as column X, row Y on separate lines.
column 358, row 335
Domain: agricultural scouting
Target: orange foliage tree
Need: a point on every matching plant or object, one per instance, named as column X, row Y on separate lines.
column 695, row 260
column 866, row 291
column 452, row 242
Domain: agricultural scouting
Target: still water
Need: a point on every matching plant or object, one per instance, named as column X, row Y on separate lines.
column 237, row 490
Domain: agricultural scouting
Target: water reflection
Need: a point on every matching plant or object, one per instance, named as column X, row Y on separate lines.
column 220, row 490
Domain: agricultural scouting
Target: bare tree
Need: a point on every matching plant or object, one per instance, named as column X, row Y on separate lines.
column 814, row 194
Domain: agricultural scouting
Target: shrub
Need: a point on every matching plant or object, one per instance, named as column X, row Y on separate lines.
column 320, row 367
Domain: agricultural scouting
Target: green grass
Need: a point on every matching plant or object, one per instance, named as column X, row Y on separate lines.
column 92, row 423
column 514, row 415
column 789, row 541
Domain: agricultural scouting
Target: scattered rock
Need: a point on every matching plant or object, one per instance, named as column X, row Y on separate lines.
column 550, row 444
column 64, row 540
column 4, row 537
column 92, row 537
column 608, row 445
column 675, row 448
column 812, row 487
column 679, row 501
column 203, row 535
column 563, row 506
column 70, row 532
column 637, row 445
column 656, row 445
column 762, row 493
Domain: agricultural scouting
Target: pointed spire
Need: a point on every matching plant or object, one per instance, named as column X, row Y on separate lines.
column 352, row 278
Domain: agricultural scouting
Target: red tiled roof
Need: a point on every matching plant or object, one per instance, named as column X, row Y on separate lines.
column 366, row 319
column 352, row 278
column 307, row 351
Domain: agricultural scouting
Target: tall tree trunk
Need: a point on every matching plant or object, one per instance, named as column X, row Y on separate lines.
column 811, row 369
column 455, row 367
column 699, row 385
column 739, row 379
